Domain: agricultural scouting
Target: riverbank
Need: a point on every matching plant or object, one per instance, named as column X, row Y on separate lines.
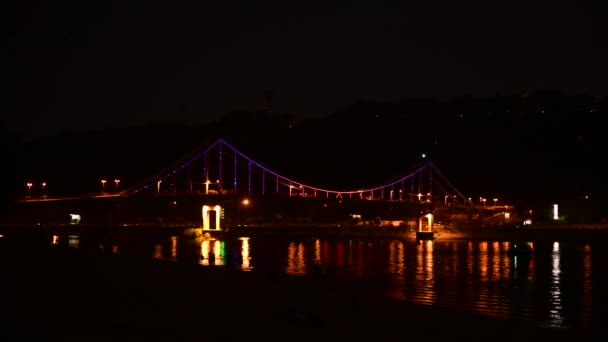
column 69, row 295
column 443, row 232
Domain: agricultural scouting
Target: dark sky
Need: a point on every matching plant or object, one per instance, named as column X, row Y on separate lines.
column 93, row 64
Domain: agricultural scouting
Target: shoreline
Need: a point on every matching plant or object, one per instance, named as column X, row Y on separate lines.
column 499, row 232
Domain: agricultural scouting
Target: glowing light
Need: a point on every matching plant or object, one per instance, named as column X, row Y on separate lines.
column 555, row 212
column 246, row 266
column 75, row 218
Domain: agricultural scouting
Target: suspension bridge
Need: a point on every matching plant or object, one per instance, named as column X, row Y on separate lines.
column 220, row 168
column 217, row 182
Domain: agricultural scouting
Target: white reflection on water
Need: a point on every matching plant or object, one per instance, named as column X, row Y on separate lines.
column 74, row 241
column 555, row 300
column 245, row 266
column 55, row 240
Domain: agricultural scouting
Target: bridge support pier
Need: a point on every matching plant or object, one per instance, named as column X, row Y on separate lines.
column 425, row 228
column 207, row 217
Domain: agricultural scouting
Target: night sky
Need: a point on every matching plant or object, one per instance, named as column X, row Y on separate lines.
column 91, row 64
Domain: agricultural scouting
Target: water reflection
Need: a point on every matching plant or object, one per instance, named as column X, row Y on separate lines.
column 317, row 258
column 245, row 259
column 296, row 265
column 553, row 286
column 424, row 273
column 74, row 241
column 555, row 301
column 173, row 247
column 158, row 251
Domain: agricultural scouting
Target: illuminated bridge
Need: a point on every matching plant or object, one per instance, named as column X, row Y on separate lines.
column 222, row 169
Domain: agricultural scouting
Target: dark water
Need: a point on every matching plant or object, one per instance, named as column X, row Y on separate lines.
column 562, row 284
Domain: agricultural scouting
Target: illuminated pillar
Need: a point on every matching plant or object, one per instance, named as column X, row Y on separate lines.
column 205, row 213
column 428, row 218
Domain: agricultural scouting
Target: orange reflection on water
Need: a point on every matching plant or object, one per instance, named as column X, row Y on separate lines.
column 396, row 260
column 217, row 251
column 495, row 261
column 55, row 240
column 296, row 264
column 484, row 260
column 204, row 257
column 506, row 261
column 158, row 251
column 424, row 272
column 317, row 259
column 173, row 247
column 587, row 287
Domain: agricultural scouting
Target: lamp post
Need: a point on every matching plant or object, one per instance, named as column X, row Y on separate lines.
column 117, row 181
column 43, row 189
column 495, row 200
column 29, row 189
column 103, row 186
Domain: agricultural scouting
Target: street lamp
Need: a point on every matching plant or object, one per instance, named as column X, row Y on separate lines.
column 484, row 202
column 29, row 189
column 103, row 185
column 116, row 181
column 495, row 200
column 446, row 200
column 43, row 189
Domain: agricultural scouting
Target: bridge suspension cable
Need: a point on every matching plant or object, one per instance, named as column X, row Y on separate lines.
column 200, row 165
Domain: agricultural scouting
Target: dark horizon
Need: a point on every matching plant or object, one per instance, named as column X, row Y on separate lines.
column 82, row 66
